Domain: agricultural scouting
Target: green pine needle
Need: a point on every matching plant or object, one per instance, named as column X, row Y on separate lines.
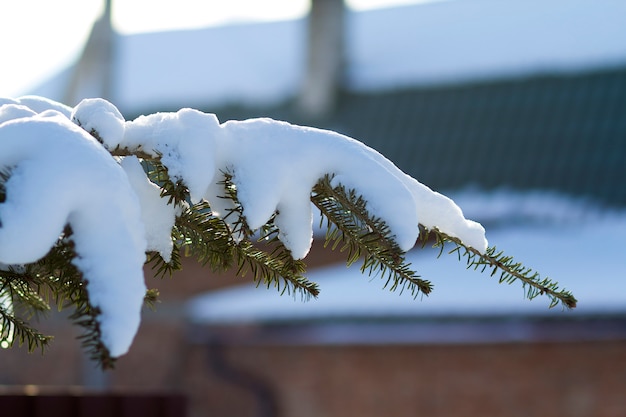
column 506, row 269
column 353, row 230
column 229, row 243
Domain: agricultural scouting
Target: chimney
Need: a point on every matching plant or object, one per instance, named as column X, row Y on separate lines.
column 325, row 53
column 92, row 74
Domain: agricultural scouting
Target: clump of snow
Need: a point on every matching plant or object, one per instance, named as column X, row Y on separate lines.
column 275, row 166
column 185, row 142
column 301, row 156
column 38, row 104
column 14, row 111
column 61, row 175
column 101, row 118
column 158, row 216
column 436, row 211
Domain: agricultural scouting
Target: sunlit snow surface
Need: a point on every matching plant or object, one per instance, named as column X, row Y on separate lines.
column 440, row 42
column 579, row 246
column 275, row 166
column 61, row 174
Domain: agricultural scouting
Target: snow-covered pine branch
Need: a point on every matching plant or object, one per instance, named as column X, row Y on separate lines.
column 107, row 191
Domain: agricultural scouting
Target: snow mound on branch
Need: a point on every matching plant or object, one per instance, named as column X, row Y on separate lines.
column 101, row 118
column 38, row 104
column 158, row 216
column 185, row 142
column 300, row 156
column 14, row 111
column 275, row 166
column 61, row 175
column 117, row 214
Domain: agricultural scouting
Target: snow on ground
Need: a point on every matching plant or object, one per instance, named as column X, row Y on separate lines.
column 469, row 40
column 256, row 63
column 580, row 246
column 440, row 42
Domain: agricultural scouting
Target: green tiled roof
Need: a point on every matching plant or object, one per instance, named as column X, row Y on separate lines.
column 565, row 133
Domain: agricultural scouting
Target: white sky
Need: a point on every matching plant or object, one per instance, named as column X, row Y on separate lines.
column 41, row 37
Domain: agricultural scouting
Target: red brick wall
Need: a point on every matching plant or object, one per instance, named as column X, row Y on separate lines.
column 575, row 379
column 565, row 380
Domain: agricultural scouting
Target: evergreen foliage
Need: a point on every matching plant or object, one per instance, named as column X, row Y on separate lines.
column 363, row 236
column 224, row 243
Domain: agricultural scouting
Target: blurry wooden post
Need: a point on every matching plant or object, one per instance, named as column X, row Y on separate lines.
column 92, row 76
column 325, row 55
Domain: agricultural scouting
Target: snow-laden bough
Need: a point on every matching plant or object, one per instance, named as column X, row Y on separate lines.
column 275, row 165
column 60, row 175
column 60, row 160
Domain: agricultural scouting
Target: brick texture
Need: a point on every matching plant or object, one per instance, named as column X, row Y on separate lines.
column 567, row 380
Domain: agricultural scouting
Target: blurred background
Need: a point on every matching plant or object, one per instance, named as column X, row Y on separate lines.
column 515, row 109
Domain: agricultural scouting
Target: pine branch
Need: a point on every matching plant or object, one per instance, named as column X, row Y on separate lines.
column 4, row 177
column 205, row 237
column 270, row 268
column 56, row 277
column 350, row 226
column 228, row 242
column 209, row 239
column 18, row 286
column 151, row 298
column 507, row 268
column 277, row 269
column 162, row 268
column 14, row 329
column 20, row 295
column 13, row 296
column 176, row 192
column 119, row 151
column 86, row 316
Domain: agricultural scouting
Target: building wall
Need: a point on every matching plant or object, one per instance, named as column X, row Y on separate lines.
column 434, row 380
column 515, row 379
column 521, row 379
column 157, row 358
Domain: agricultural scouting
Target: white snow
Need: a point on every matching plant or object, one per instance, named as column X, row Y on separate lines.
column 252, row 63
column 100, row 116
column 275, row 166
column 37, row 104
column 508, row 206
column 583, row 252
column 14, row 111
column 157, row 215
column 117, row 214
column 185, row 141
column 474, row 40
column 61, row 175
